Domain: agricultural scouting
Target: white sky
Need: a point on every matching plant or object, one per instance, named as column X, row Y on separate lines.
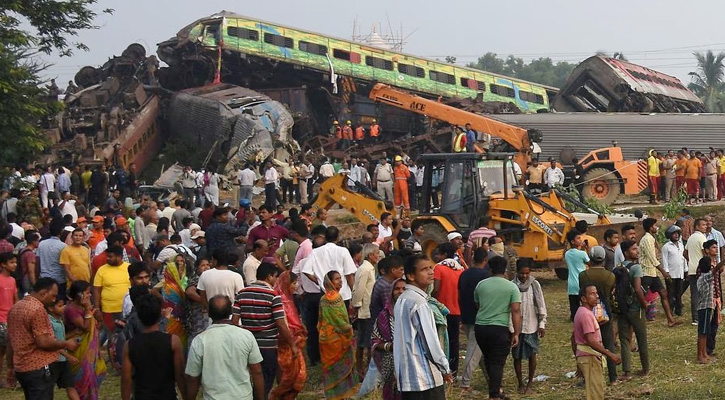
column 661, row 35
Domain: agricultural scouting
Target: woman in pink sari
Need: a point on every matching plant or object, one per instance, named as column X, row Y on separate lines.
column 293, row 369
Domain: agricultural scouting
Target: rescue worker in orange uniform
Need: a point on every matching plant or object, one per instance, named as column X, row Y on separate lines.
column 459, row 141
column 401, row 173
column 359, row 132
column 337, row 132
column 375, row 131
column 346, row 135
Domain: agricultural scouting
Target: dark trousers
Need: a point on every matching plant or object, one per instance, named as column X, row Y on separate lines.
column 495, row 344
column 693, row 296
column 437, row 393
column 454, row 333
column 311, row 305
column 38, row 384
column 287, row 187
column 411, row 196
column 607, row 331
column 269, row 369
column 270, row 193
column 573, row 306
column 712, row 335
column 674, row 290
column 638, row 323
column 434, row 197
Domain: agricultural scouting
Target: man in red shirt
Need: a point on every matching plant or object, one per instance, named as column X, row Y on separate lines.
column 446, row 275
column 268, row 230
column 34, row 345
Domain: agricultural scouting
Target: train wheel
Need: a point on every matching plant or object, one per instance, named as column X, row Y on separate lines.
column 433, row 235
column 601, row 184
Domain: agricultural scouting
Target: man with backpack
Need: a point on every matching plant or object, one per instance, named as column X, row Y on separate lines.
column 603, row 280
column 630, row 307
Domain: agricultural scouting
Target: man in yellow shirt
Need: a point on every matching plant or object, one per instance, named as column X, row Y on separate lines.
column 721, row 176
column 653, row 171
column 76, row 259
column 110, row 286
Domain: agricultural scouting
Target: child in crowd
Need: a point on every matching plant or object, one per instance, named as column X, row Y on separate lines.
column 8, row 297
column 533, row 316
column 705, row 308
column 61, row 367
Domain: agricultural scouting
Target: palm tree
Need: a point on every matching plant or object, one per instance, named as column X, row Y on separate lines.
column 707, row 82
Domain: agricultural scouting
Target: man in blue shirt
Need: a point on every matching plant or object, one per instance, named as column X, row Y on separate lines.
column 576, row 259
column 49, row 255
column 471, row 137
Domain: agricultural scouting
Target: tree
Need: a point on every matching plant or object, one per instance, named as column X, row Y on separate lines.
column 542, row 70
column 23, row 102
column 707, row 81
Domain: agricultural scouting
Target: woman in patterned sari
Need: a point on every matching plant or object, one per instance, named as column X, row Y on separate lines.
column 173, row 293
column 336, row 342
column 293, row 370
column 81, row 325
column 382, row 343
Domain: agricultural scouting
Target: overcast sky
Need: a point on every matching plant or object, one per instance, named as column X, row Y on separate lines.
column 659, row 35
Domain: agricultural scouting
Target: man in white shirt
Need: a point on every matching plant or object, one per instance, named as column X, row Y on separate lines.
column 246, row 180
column 327, row 170
column 68, row 206
column 271, row 181
column 254, row 260
column 331, row 257
column 219, row 280
column 714, row 234
column 47, row 185
column 694, row 251
column 553, row 175
column 674, row 263
column 304, row 174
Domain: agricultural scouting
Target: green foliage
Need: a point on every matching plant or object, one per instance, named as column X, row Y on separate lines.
column 594, row 204
column 672, row 208
column 541, row 70
column 24, row 104
column 707, row 81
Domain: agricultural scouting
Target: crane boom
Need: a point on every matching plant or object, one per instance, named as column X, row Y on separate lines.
column 515, row 136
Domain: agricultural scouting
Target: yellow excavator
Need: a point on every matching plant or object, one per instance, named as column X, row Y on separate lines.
column 468, row 186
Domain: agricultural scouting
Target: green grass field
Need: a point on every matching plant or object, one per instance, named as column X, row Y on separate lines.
column 674, row 374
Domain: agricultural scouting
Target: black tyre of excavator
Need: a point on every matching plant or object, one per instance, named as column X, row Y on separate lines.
column 433, row 234
column 601, row 184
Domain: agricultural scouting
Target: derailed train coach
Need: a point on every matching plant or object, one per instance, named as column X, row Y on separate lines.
column 228, row 125
column 604, row 84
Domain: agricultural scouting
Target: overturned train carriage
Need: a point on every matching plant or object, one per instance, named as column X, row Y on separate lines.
column 603, row 84
column 228, row 125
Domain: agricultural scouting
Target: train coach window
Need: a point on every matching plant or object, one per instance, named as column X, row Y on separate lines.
column 503, row 91
column 278, row 40
column 243, row 33
column 442, row 77
column 346, row 55
column 411, row 70
column 380, row 63
column 473, row 84
column 312, row 48
column 531, row 97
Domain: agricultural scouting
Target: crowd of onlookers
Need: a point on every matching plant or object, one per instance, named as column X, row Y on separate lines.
column 700, row 174
column 157, row 291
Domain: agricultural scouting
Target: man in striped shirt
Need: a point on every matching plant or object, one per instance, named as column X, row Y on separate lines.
column 421, row 366
column 259, row 309
column 477, row 237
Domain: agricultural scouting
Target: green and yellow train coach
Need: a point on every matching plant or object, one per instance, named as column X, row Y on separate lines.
column 344, row 58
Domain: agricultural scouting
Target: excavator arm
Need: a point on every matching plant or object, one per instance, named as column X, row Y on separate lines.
column 366, row 205
column 517, row 137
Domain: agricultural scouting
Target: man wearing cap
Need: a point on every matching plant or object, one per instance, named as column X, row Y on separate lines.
column 456, row 240
column 189, row 228
column 220, row 235
column 674, row 263
column 199, row 245
column 383, row 180
column 401, row 174
column 347, row 135
column 604, row 280
column 97, row 233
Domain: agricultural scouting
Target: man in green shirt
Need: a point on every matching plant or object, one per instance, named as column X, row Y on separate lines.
column 498, row 299
column 634, row 317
